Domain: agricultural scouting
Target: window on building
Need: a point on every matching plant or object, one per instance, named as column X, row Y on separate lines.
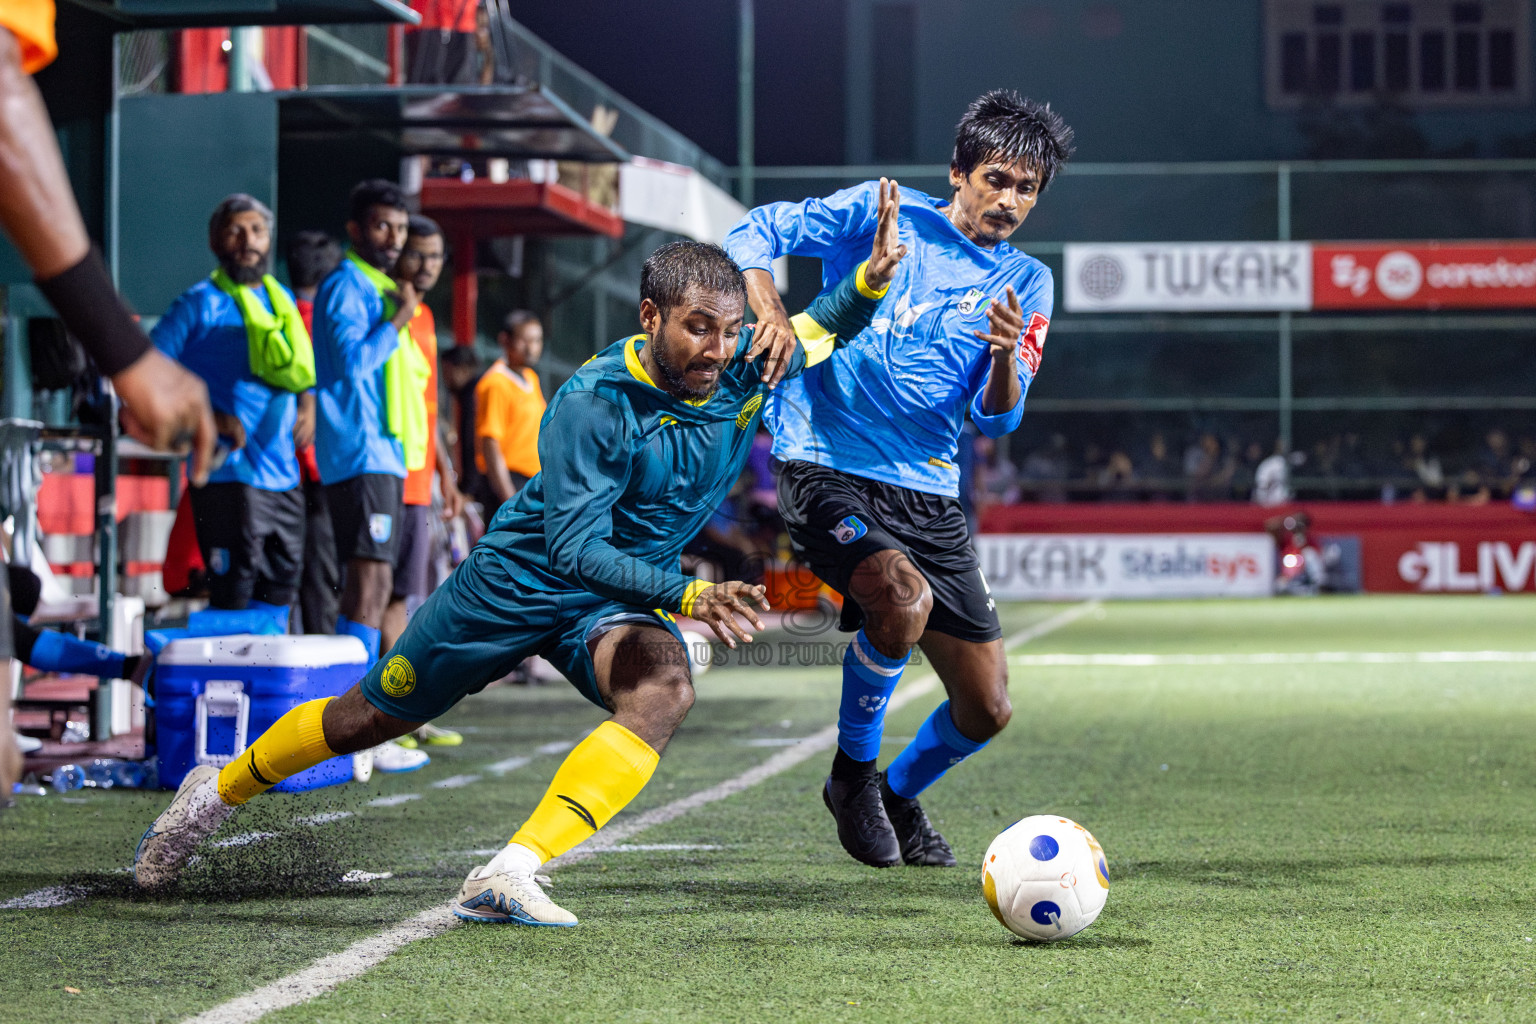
column 1422, row 53
column 1362, row 61
column 1432, row 61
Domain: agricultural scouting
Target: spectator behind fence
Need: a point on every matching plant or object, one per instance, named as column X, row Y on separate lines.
column 312, row 255
column 508, row 406
column 240, row 331
column 368, row 372
column 1272, row 478
column 1425, row 465
column 1157, row 466
column 442, row 49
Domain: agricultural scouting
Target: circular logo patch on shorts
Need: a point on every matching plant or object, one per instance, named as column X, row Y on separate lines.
column 399, row 677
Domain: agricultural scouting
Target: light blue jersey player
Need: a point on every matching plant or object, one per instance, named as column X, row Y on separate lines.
column 869, row 481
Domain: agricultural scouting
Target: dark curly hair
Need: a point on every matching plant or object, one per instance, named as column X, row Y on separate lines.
column 1002, row 125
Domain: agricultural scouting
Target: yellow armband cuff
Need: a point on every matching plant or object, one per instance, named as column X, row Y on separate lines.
column 863, row 284
column 690, row 595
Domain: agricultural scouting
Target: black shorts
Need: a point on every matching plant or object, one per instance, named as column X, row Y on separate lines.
column 252, row 542
column 836, row 520
column 365, row 513
column 414, row 563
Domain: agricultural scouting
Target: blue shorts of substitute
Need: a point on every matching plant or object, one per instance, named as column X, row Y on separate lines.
column 480, row 625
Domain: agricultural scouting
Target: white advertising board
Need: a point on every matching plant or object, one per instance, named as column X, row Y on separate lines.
column 1187, row 276
column 1071, row 567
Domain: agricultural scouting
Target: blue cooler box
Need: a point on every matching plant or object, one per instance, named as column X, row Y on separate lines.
column 215, row 694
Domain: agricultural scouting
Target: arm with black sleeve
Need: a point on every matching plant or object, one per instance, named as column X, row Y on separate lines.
column 167, row 407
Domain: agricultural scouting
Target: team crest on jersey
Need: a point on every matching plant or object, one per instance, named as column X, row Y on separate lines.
column 218, row 561
column 973, row 301
column 849, row 530
column 398, row 677
column 747, row 411
column 1032, row 342
column 380, row 526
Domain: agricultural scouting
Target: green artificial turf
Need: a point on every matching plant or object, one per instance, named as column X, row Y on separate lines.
column 1294, row 841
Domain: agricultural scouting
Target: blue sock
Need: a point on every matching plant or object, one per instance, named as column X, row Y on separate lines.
column 59, row 652
column 936, row 749
column 278, row 613
column 367, row 634
column 868, row 679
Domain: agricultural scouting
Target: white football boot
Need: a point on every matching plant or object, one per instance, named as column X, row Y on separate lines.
column 195, row 813
column 391, row 758
column 505, row 891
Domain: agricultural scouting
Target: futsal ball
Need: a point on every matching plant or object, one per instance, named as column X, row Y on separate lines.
column 700, row 653
column 1045, row 878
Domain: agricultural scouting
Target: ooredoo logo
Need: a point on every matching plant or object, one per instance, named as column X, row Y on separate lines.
column 1399, row 275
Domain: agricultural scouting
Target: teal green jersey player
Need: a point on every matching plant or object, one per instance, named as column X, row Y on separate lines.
column 637, row 448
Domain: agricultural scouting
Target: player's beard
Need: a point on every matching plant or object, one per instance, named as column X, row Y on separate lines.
column 242, row 273
column 674, row 372
column 996, row 228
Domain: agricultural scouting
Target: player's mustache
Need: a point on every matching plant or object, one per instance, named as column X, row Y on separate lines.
column 1001, row 216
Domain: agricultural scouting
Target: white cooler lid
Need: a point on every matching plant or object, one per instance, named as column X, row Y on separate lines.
column 265, row 651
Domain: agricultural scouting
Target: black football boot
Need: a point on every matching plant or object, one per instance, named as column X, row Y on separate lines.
column 921, row 843
column 862, row 826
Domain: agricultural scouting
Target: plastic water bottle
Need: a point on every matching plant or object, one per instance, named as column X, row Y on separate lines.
column 116, row 773
column 106, row 773
column 67, row 778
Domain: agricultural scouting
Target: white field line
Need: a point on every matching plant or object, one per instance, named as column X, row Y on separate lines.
column 394, row 801
column 42, row 899
column 1280, row 658
column 325, row 974
column 457, row 781
column 323, row 819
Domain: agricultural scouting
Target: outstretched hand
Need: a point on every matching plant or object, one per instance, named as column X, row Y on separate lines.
column 718, row 606
column 778, row 342
column 166, row 407
column 887, row 250
column 1006, row 326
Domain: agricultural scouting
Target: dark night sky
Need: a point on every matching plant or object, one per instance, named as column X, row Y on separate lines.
column 677, row 60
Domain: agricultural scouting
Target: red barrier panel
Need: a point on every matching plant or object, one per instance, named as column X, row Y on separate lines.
column 1413, row 548
column 66, row 502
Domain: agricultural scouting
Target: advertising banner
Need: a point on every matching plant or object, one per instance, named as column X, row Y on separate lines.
column 1450, row 562
column 1424, row 275
column 1070, row 567
column 1187, row 277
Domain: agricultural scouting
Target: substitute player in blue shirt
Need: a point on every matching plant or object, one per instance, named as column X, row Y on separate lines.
column 637, row 450
column 250, row 514
column 359, row 313
column 869, row 482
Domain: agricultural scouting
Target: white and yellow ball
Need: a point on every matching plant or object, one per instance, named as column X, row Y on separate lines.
column 1045, row 878
column 700, row 652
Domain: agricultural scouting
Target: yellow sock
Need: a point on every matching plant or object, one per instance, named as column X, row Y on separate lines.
column 604, row 773
column 295, row 742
